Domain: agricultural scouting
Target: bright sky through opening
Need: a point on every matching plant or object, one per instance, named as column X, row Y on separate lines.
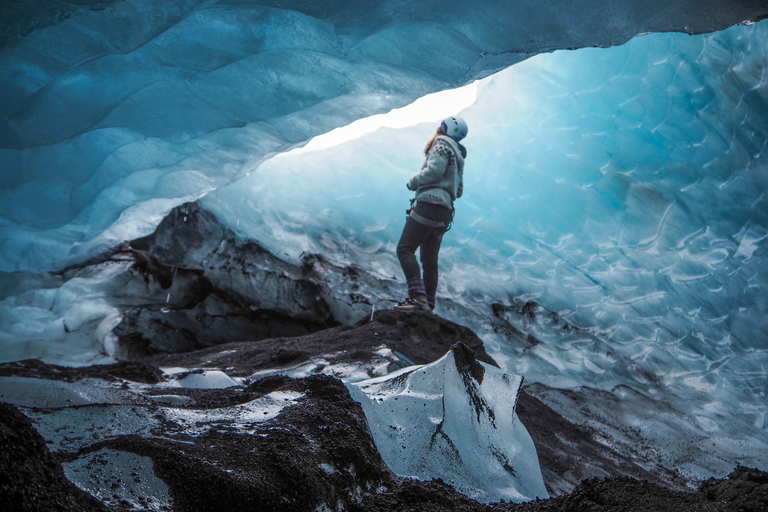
column 430, row 108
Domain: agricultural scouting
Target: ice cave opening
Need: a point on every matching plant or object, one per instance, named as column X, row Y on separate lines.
column 617, row 196
column 622, row 188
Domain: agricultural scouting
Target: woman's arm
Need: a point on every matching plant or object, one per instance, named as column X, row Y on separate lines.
column 433, row 169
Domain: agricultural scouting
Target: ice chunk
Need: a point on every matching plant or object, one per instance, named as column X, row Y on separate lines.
column 211, row 379
column 454, row 419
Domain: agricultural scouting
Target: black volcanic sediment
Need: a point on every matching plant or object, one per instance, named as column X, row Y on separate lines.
column 319, row 450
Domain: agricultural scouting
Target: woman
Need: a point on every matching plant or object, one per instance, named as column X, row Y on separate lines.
column 439, row 182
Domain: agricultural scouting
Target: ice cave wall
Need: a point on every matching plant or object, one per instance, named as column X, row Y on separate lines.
column 623, row 190
column 112, row 113
column 619, row 184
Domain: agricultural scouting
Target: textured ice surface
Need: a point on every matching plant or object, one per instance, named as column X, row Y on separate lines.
column 214, row 379
column 383, row 362
column 72, row 428
column 240, row 417
column 623, row 189
column 112, row 114
column 434, row 421
column 119, row 479
column 65, row 318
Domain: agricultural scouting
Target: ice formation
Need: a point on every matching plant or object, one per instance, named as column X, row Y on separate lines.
column 454, row 419
column 112, row 113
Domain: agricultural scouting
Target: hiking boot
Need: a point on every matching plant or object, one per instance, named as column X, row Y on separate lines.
column 417, row 303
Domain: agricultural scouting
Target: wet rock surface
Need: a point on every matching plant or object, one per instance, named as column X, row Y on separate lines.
column 420, row 337
column 311, row 448
column 317, row 452
column 31, row 479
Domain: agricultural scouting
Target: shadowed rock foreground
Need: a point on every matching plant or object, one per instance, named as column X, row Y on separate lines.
column 204, row 449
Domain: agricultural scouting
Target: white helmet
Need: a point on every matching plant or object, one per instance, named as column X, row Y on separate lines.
column 454, row 127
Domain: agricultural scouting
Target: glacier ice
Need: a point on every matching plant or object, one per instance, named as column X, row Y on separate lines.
column 114, row 113
column 454, row 419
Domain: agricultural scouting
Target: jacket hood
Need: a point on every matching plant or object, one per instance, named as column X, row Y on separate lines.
column 458, row 149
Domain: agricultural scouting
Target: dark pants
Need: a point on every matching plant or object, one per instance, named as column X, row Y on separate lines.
column 417, row 235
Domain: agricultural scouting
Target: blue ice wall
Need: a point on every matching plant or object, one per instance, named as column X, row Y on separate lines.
column 624, row 189
column 113, row 112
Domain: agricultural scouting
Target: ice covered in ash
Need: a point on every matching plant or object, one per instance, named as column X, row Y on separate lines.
column 454, row 419
column 86, row 414
column 114, row 112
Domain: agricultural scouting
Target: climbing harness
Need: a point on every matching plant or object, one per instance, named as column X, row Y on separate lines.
column 410, row 212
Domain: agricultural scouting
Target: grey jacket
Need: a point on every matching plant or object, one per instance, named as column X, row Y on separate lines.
column 440, row 179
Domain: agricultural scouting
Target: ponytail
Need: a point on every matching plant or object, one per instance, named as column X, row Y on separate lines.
column 429, row 144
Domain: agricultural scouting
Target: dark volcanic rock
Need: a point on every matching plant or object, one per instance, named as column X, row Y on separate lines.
column 134, row 371
column 207, row 288
column 31, row 479
column 214, row 319
column 203, row 313
column 745, row 490
column 409, row 495
column 315, row 453
column 421, row 338
column 310, row 454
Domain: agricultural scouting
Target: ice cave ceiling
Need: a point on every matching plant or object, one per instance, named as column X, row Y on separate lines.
column 113, row 112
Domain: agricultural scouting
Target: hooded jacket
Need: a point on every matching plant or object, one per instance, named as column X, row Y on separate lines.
column 440, row 179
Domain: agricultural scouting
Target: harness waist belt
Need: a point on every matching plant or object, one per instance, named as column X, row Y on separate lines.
column 423, row 220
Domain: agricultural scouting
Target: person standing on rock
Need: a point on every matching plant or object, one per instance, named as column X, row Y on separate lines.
column 439, row 182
